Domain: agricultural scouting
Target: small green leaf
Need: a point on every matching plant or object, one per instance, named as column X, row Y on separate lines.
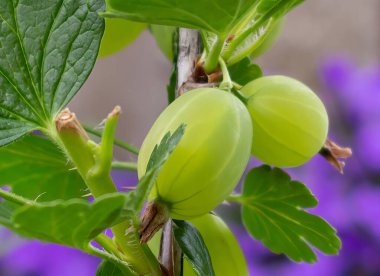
column 193, row 247
column 106, row 268
column 47, row 50
column 74, row 223
column 167, row 145
column 245, row 71
column 273, row 213
column 35, row 168
column 158, row 157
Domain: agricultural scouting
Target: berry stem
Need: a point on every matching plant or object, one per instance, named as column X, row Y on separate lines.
column 226, row 82
column 212, row 59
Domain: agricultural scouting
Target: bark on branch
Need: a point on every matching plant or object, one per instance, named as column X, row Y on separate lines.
column 188, row 53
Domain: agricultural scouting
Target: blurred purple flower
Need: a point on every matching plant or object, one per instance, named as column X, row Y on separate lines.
column 40, row 259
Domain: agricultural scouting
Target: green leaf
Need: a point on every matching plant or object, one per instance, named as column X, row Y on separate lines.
column 48, row 49
column 106, row 268
column 158, row 157
column 119, row 34
column 256, row 28
column 167, row 145
column 245, row 71
column 216, row 16
column 35, row 168
column 5, row 214
column 266, row 5
column 273, row 213
column 73, row 223
column 193, row 247
column 165, row 36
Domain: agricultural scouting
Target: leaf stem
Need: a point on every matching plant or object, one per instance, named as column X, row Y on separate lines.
column 124, row 266
column 213, row 55
column 117, row 142
column 129, row 166
column 235, row 198
column 15, row 198
column 108, row 245
column 226, row 82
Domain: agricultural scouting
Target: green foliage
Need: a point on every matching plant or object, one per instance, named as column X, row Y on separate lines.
column 43, row 64
column 106, row 268
column 193, row 247
column 48, row 49
column 162, row 151
column 273, row 213
column 245, row 71
column 74, row 222
column 5, row 214
column 215, row 16
column 35, row 168
column 164, row 36
column 269, row 38
column 119, row 33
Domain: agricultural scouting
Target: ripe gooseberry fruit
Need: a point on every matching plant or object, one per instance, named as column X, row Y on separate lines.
column 211, row 156
column 290, row 122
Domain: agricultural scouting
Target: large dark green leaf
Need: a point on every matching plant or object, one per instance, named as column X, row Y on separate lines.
column 216, row 16
column 273, row 213
column 35, row 168
column 74, row 222
column 47, row 50
column 193, row 247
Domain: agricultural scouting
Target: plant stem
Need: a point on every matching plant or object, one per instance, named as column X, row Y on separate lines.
column 94, row 164
column 212, row 58
column 129, row 166
column 15, row 198
column 108, row 245
column 235, row 198
column 227, row 82
column 117, row 142
column 123, row 266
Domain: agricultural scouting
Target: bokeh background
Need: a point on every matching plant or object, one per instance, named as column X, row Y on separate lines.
column 334, row 47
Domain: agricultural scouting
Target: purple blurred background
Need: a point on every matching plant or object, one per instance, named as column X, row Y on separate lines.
column 338, row 60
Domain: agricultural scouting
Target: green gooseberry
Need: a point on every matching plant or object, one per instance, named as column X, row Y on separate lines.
column 226, row 255
column 118, row 34
column 211, row 156
column 290, row 122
